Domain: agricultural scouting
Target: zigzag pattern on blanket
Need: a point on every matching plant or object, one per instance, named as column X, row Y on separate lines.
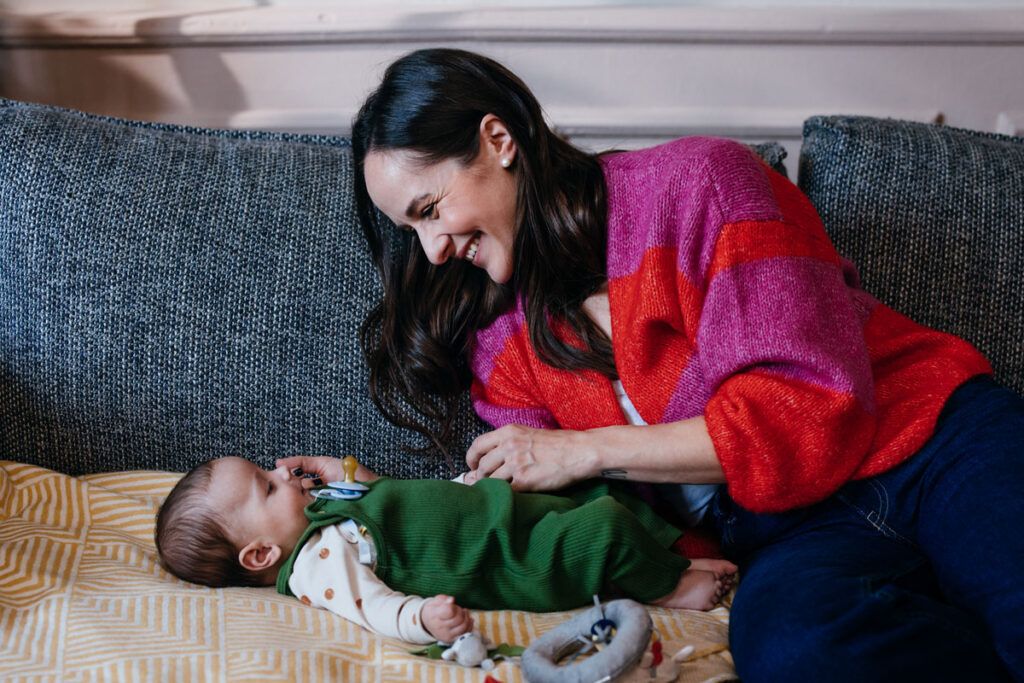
column 83, row 598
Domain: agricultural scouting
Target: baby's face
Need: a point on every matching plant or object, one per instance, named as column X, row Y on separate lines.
column 259, row 505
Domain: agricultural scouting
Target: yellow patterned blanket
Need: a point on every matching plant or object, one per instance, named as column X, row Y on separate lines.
column 83, row 598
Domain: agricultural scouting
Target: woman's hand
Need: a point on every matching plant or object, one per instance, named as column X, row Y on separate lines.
column 445, row 620
column 323, row 467
column 531, row 459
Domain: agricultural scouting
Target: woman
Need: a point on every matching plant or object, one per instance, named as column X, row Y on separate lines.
column 677, row 315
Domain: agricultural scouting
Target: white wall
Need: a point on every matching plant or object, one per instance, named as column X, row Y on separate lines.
column 48, row 6
column 608, row 76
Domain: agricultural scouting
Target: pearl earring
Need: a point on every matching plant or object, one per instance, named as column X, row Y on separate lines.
column 505, row 163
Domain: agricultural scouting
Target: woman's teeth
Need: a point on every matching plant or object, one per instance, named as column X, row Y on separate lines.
column 473, row 246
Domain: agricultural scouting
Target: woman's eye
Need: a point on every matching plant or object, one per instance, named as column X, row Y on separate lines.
column 428, row 210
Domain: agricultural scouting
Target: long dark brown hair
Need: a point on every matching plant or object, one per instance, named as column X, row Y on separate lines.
column 417, row 339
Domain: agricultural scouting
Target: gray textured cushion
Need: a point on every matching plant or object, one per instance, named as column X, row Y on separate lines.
column 934, row 219
column 773, row 154
column 170, row 294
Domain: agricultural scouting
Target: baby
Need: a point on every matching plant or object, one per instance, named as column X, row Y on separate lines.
column 229, row 522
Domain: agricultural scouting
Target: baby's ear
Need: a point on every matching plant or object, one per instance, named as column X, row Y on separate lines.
column 259, row 556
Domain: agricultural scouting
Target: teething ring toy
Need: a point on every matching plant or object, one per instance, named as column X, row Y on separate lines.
column 632, row 628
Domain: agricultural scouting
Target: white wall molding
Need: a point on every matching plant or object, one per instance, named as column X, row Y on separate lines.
column 674, row 122
column 607, row 76
column 1010, row 123
column 624, row 123
column 651, row 24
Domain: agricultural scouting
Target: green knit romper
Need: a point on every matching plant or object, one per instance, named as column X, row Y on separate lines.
column 493, row 548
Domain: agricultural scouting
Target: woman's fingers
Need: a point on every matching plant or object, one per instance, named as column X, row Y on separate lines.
column 506, row 471
column 490, row 463
column 482, row 445
column 293, row 464
column 531, row 459
column 324, row 467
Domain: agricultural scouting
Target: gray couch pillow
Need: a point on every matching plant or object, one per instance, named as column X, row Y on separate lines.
column 169, row 294
column 934, row 219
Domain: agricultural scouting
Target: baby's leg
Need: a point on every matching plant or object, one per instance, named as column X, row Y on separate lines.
column 701, row 586
column 588, row 549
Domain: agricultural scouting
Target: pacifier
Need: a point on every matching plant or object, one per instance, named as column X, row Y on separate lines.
column 349, row 489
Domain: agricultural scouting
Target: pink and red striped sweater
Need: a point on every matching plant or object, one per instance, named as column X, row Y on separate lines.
column 729, row 301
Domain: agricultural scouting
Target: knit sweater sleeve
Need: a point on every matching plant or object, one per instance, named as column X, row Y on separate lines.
column 781, row 344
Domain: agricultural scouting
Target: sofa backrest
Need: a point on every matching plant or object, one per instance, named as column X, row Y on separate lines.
column 171, row 294
column 933, row 217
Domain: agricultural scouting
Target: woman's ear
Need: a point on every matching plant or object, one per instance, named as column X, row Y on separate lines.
column 259, row 556
column 497, row 141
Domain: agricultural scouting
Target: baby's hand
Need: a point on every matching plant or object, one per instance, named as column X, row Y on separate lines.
column 324, row 467
column 445, row 620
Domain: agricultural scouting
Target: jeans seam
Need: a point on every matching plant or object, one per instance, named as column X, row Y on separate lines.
column 877, row 520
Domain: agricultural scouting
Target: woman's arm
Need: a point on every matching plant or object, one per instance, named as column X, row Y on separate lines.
column 548, row 459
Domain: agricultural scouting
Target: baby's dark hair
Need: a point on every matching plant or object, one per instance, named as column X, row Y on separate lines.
column 191, row 539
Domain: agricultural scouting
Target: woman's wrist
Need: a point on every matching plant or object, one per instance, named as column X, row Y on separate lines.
column 671, row 452
column 608, row 459
column 591, row 454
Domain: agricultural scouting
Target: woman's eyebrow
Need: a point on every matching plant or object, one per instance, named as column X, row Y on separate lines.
column 410, row 212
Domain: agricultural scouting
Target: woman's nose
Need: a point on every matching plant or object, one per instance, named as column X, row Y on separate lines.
column 438, row 248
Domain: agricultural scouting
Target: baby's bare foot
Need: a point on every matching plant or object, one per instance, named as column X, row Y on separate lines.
column 724, row 571
column 697, row 589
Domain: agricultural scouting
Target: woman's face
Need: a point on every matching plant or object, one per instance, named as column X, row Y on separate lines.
column 457, row 211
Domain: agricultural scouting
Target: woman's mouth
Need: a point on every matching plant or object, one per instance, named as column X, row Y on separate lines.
column 471, row 250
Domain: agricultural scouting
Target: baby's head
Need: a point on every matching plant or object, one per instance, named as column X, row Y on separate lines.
column 230, row 523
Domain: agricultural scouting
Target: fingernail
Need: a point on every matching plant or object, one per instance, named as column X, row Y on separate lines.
column 297, row 472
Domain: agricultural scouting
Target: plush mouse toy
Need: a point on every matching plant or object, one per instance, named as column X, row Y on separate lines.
column 469, row 649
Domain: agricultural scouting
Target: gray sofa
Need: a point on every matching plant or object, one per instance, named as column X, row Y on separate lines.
column 170, row 294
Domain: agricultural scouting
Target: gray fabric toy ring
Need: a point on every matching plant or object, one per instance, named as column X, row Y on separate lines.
column 632, row 634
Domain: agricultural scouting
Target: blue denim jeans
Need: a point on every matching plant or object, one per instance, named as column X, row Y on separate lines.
column 914, row 574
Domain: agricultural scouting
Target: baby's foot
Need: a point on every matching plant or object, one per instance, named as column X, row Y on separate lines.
column 697, row 589
column 724, row 571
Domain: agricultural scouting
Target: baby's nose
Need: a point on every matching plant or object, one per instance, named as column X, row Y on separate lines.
column 284, row 475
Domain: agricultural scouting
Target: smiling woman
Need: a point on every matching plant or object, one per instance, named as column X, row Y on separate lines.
column 465, row 211
column 745, row 352
column 455, row 147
